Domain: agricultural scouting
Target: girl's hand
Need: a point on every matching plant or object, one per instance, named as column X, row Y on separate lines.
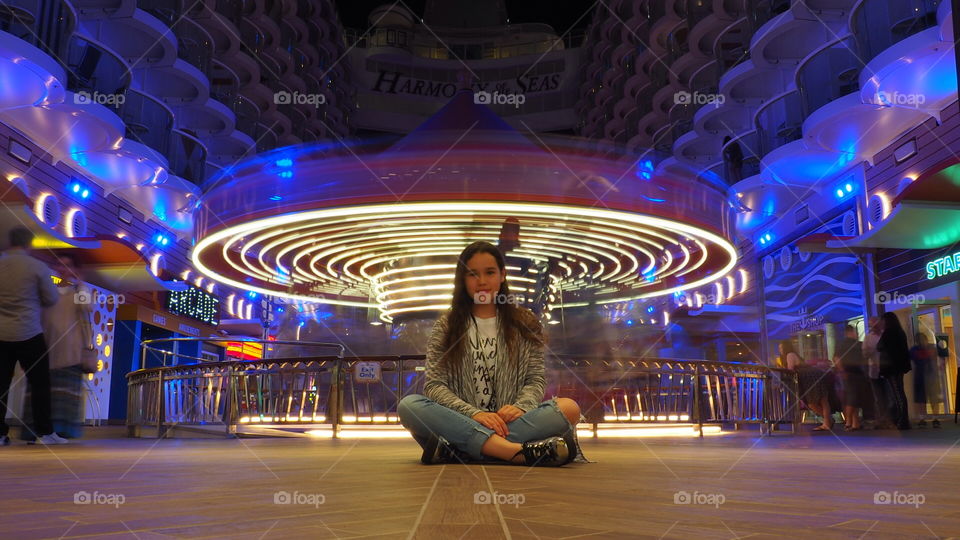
column 509, row 413
column 493, row 421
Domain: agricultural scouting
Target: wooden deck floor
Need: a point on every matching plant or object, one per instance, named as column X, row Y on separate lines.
column 740, row 486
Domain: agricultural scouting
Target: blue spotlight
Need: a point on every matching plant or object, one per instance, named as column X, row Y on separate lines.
column 79, row 189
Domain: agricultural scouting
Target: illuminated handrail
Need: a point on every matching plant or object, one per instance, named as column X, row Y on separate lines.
column 322, row 389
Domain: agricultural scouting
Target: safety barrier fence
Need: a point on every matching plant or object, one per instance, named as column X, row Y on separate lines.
column 339, row 391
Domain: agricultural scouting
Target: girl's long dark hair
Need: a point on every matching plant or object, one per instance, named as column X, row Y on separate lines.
column 892, row 324
column 515, row 323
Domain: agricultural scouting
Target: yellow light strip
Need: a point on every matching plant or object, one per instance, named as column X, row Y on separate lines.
column 418, row 209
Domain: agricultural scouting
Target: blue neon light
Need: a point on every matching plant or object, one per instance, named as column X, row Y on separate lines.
column 645, row 169
column 285, row 162
column 79, row 189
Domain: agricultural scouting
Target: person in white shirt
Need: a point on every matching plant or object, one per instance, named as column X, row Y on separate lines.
column 881, row 402
column 26, row 288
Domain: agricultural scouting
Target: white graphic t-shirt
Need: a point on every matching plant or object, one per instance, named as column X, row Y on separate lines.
column 483, row 346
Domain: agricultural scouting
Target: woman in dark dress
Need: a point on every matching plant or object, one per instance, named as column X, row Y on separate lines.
column 894, row 364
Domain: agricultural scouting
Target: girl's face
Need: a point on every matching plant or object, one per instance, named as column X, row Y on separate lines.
column 483, row 278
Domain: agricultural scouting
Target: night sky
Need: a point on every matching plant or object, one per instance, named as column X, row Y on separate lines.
column 561, row 15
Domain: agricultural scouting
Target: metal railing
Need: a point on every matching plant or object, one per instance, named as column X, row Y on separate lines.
column 323, row 390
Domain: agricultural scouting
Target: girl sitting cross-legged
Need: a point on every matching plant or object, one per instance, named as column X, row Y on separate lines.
column 485, row 378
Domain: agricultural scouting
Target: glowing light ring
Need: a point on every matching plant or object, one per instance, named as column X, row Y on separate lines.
column 458, row 233
column 581, row 228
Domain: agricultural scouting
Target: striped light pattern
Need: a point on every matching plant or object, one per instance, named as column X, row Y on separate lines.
column 400, row 257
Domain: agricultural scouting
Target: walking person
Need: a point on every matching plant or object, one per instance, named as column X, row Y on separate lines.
column 894, row 364
column 67, row 328
column 856, row 390
column 881, row 398
column 485, row 378
column 813, row 385
column 926, row 380
column 25, row 289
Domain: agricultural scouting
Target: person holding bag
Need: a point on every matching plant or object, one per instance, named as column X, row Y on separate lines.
column 69, row 333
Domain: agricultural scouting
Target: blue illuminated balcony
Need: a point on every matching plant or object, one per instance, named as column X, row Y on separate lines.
column 779, row 121
column 188, row 157
column 94, row 69
column 878, row 24
column 828, row 74
column 148, row 121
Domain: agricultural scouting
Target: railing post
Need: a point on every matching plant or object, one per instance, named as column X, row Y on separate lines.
column 696, row 398
column 228, row 417
column 795, row 383
column 336, row 399
column 766, row 405
column 160, row 404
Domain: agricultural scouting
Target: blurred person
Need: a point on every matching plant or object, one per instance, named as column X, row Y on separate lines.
column 881, row 398
column 27, row 286
column 856, row 386
column 67, row 327
column 812, row 385
column 894, row 364
column 926, row 379
column 485, row 378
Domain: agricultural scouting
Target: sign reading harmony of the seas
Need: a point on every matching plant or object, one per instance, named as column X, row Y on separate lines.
column 395, row 82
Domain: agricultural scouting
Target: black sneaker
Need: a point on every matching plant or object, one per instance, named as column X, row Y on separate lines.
column 5, row 441
column 936, row 423
column 552, row 452
column 922, row 423
column 439, row 451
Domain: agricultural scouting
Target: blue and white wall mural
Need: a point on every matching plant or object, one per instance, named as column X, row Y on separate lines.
column 804, row 291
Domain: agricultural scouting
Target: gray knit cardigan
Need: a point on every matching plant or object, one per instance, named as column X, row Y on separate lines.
column 520, row 384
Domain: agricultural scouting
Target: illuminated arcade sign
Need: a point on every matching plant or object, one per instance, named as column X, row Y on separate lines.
column 244, row 350
column 195, row 304
column 943, row 266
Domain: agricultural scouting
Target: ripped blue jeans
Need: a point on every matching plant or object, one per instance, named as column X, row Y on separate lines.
column 423, row 416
